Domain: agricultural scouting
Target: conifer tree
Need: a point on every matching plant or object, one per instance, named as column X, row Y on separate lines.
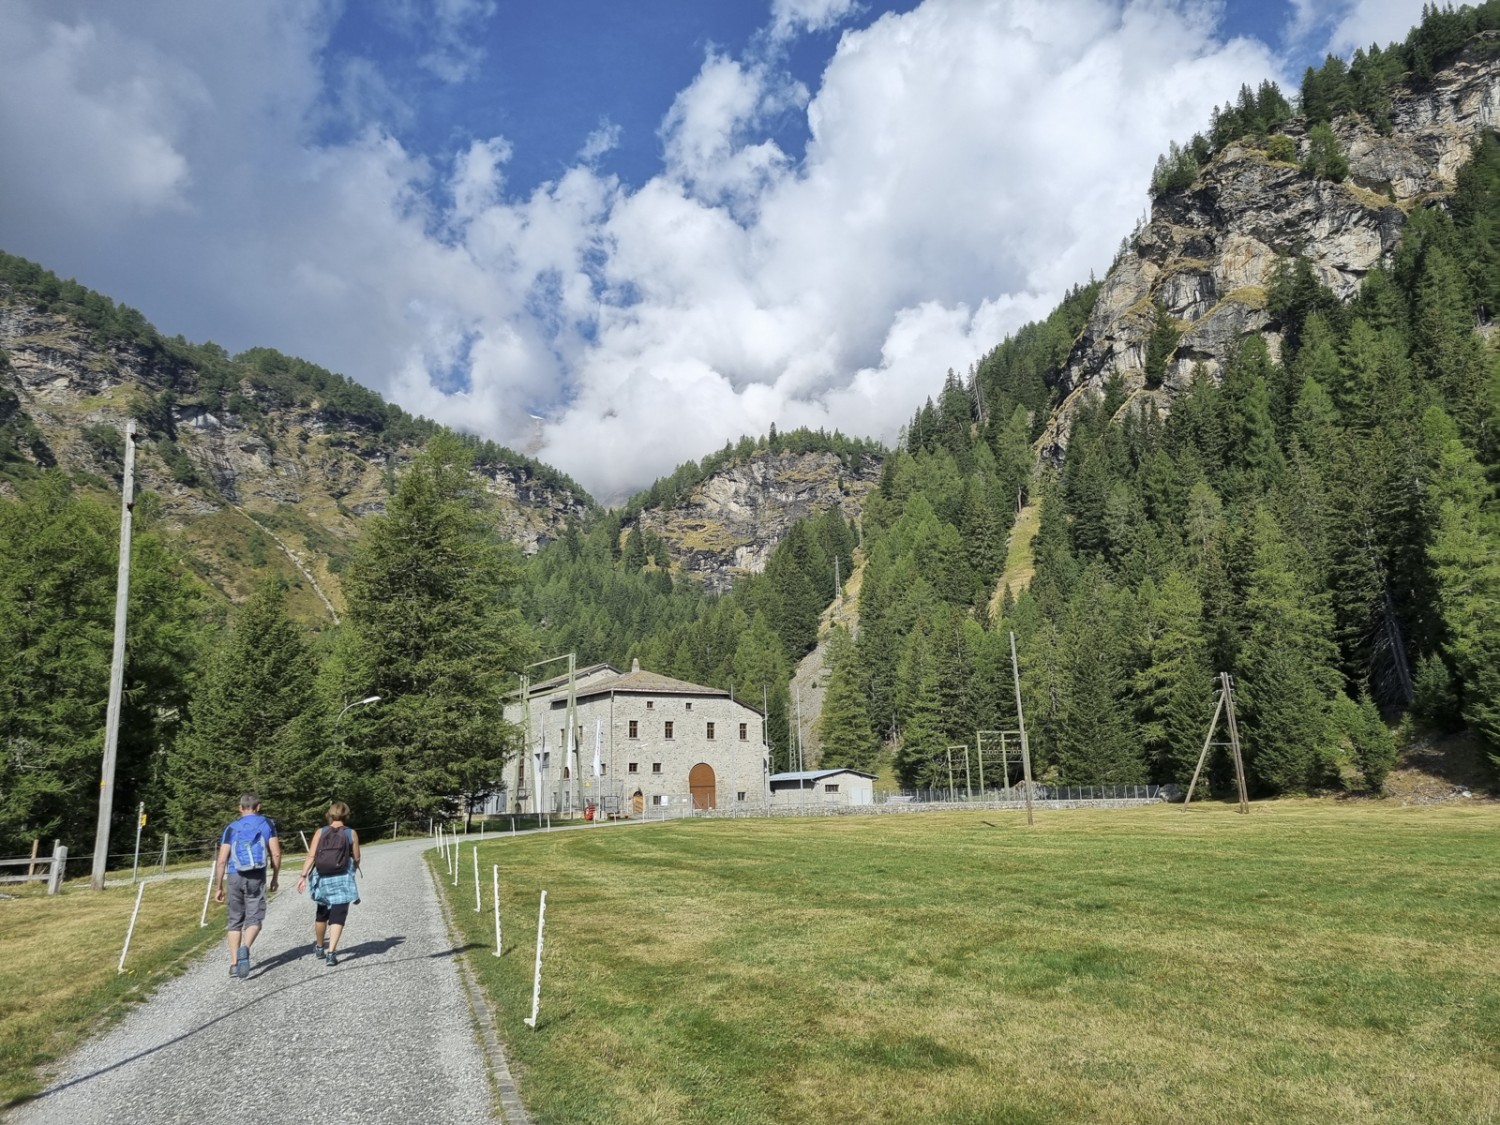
column 844, row 731
column 1097, row 740
column 761, row 674
column 431, row 606
column 1286, row 675
column 256, row 724
column 921, row 761
column 1174, row 688
column 58, row 559
column 1465, row 553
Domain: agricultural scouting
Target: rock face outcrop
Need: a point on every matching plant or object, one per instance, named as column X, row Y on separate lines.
column 288, row 482
column 735, row 518
column 1210, row 251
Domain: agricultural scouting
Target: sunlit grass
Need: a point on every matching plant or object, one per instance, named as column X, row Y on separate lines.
column 1311, row 962
column 58, row 964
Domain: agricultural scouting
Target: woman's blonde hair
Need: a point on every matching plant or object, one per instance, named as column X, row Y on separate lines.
column 338, row 811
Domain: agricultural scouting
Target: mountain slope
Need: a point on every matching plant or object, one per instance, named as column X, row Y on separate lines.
column 263, row 463
column 1210, row 253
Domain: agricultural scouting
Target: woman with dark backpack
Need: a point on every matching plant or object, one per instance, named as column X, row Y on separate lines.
column 332, row 860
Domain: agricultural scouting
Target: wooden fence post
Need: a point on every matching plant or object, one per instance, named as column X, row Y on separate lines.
column 59, row 867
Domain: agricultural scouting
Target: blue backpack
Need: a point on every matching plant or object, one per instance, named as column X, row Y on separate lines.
column 247, row 844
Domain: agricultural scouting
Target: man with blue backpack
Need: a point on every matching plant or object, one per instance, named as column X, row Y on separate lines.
column 246, row 848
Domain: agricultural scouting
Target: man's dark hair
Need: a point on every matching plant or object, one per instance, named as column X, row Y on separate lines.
column 249, row 801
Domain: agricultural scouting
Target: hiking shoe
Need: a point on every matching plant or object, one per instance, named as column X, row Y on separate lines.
column 242, row 967
column 331, row 959
column 317, row 950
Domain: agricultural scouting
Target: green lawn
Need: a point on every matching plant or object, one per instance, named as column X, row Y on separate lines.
column 1314, row 962
column 59, row 958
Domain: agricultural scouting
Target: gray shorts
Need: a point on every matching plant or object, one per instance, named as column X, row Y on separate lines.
column 246, row 895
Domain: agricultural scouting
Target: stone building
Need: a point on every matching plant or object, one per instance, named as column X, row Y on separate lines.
column 662, row 746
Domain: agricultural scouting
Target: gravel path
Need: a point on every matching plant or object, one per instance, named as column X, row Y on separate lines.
column 386, row 1036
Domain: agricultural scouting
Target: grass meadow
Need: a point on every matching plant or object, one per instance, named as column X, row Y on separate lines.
column 59, row 958
column 1312, row 962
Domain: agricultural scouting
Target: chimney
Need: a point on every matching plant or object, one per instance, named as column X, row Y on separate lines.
column 635, row 664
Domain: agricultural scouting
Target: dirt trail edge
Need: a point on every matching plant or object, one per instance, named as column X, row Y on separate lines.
column 386, row 1036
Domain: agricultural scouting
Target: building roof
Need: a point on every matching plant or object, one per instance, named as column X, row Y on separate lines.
column 542, row 687
column 649, row 683
column 817, row 775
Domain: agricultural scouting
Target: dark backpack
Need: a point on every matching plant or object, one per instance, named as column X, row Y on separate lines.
column 335, row 847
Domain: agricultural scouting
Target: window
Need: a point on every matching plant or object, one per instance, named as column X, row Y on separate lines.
column 634, row 767
column 740, row 796
column 710, row 732
column 634, row 730
column 656, row 767
column 650, row 704
column 667, row 731
column 744, row 731
column 660, row 799
column 689, row 706
column 834, row 788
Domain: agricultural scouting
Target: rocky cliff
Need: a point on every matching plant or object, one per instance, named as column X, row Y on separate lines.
column 279, row 489
column 733, row 519
column 1209, row 252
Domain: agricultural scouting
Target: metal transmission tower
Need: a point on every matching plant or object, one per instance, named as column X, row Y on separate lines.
column 1224, row 707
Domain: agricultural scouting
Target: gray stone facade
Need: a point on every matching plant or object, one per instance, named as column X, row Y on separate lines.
column 664, row 745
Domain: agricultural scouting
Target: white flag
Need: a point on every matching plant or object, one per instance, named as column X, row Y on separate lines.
column 598, row 734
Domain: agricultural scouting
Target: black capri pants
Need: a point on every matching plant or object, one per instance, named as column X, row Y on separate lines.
column 335, row 914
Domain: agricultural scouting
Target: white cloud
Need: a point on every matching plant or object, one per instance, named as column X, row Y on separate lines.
column 789, row 17
column 969, row 160
column 1339, row 26
column 1363, row 22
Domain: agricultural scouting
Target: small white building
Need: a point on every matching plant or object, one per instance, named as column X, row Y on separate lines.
column 803, row 788
column 642, row 743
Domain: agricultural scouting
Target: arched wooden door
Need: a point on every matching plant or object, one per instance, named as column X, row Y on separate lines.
column 637, row 803
column 705, row 789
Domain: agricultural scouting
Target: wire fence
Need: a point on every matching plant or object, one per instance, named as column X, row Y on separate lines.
column 166, row 851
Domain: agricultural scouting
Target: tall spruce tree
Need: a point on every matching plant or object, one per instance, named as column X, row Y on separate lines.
column 437, row 636
column 1465, row 553
column 58, row 559
column 844, row 731
column 1286, row 665
column 1097, row 739
column 256, row 723
column 1174, row 688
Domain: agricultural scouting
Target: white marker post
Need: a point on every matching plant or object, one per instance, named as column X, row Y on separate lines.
column 536, row 987
column 478, row 902
column 140, row 890
column 457, row 865
column 208, row 891
column 496, row 893
column 304, row 840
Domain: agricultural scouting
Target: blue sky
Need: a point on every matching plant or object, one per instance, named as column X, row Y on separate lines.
column 617, row 235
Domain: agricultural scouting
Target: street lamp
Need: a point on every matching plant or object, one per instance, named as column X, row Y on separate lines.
column 357, row 703
column 338, row 733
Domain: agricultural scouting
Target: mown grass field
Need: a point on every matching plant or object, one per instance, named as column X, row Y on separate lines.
column 58, row 964
column 1313, row 962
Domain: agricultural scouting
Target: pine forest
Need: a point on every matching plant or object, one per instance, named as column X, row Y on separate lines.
column 1317, row 517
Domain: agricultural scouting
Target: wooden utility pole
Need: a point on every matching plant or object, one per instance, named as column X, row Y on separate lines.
column 1225, row 707
column 1015, row 668
column 116, row 667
